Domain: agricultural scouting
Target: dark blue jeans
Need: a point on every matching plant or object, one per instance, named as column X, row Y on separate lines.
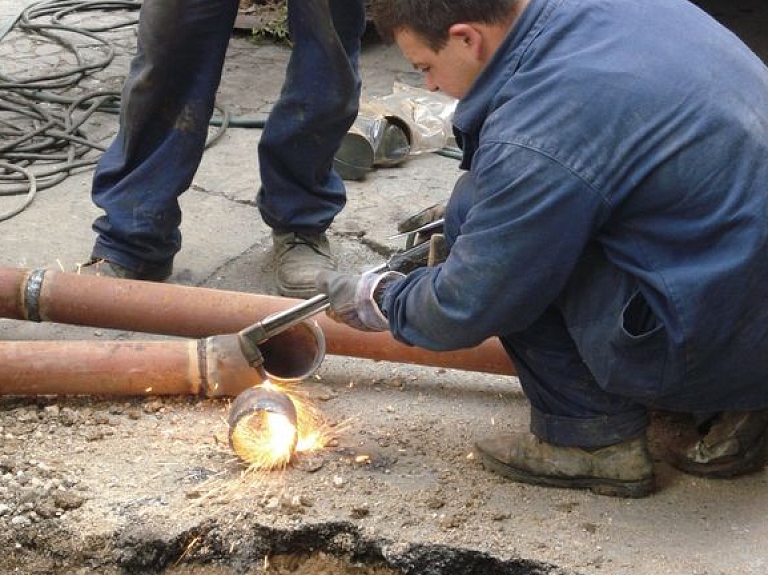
column 168, row 99
column 560, row 357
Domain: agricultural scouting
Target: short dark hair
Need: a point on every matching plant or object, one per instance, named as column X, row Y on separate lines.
column 431, row 19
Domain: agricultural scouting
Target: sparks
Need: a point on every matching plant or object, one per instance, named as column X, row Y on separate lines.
column 312, row 427
column 267, row 440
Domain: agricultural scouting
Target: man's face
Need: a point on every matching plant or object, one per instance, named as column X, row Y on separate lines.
column 451, row 70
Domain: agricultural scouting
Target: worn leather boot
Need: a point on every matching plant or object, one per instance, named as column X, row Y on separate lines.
column 621, row 470
column 732, row 443
column 298, row 260
column 106, row 268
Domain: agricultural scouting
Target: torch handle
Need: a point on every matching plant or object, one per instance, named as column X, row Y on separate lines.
column 252, row 336
column 286, row 319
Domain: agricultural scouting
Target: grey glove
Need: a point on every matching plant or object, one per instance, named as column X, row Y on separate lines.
column 354, row 298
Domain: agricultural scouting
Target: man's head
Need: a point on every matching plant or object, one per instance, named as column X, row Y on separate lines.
column 448, row 40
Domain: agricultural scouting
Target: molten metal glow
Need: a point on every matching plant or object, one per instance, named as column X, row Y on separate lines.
column 314, row 431
column 268, row 440
column 264, row 440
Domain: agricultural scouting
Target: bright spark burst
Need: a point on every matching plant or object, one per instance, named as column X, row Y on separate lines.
column 312, row 427
column 267, row 441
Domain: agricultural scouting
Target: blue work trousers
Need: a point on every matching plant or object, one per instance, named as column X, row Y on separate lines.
column 553, row 355
column 167, row 101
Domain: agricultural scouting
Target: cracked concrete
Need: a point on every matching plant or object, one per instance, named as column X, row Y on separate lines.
column 147, row 485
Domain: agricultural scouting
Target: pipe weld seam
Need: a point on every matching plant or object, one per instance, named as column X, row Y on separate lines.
column 202, row 362
column 32, row 295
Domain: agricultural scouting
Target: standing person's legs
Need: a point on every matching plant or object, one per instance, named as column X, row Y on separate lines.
column 167, row 101
column 301, row 193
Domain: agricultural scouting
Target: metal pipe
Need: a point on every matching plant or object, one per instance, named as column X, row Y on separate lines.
column 210, row 367
column 52, row 296
column 33, row 368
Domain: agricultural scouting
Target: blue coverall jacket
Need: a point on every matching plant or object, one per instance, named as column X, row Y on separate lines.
column 613, row 226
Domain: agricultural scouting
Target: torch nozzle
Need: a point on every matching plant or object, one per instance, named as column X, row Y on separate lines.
column 253, row 336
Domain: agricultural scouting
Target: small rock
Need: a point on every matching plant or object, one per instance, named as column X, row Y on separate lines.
column 153, row 406
column 434, row 502
column 21, row 521
column 46, row 510
column 67, row 500
column 101, row 418
column 322, row 393
column 339, row 481
column 93, row 434
column 451, row 521
column 309, row 462
column 52, row 411
column 589, row 527
column 68, row 416
column 293, row 503
column 360, row 511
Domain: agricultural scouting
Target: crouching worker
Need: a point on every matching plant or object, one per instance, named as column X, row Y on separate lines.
column 611, row 229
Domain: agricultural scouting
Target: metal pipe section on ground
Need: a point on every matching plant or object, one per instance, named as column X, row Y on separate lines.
column 212, row 367
column 193, row 312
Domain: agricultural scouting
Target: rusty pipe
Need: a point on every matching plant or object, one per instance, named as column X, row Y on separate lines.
column 52, row 296
column 210, row 367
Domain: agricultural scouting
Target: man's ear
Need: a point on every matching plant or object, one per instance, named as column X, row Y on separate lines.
column 470, row 36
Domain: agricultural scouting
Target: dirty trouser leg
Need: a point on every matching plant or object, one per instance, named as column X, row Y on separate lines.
column 568, row 407
column 300, row 191
column 168, row 98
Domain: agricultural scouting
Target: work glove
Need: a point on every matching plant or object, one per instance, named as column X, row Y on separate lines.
column 355, row 298
column 414, row 226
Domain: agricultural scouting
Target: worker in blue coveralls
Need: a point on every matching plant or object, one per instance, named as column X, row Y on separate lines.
column 167, row 101
column 611, row 229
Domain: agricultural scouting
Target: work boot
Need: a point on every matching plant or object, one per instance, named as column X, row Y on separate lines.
column 298, row 260
column 105, row 268
column 732, row 443
column 621, row 470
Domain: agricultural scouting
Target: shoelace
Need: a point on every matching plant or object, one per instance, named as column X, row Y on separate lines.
column 301, row 240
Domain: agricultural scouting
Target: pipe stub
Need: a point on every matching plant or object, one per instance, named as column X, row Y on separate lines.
column 257, row 401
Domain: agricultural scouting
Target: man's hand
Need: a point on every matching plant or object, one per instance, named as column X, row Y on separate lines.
column 354, row 298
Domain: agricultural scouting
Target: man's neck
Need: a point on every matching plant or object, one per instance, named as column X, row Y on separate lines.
column 496, row 34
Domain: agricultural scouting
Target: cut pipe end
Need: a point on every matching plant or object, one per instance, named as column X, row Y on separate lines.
column 263, row 427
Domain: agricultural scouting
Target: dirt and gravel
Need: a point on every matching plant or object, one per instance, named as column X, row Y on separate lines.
column 141, row 485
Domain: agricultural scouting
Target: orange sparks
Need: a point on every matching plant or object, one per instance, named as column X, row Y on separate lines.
column 313, row 430
column 267, row 440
